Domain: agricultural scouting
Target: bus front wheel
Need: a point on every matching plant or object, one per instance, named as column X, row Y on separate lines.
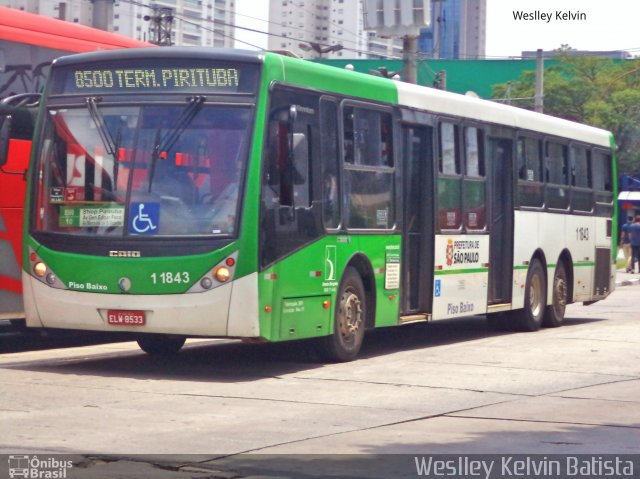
column 530, row 317
column 554, row 315
column 160, row 344
column 349, row 321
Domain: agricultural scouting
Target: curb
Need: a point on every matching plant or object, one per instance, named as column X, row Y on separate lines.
column 627, row 279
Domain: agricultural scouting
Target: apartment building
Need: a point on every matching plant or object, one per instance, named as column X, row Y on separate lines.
column 309, row 27
column 193, row 22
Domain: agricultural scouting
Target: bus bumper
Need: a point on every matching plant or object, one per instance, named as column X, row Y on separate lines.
column 230, row 310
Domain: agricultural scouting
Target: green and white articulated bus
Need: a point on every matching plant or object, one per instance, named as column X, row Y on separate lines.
column 181, row 193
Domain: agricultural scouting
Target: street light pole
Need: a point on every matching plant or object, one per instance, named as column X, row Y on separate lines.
column 538, row 99
column 409, row 53
column 320, row 49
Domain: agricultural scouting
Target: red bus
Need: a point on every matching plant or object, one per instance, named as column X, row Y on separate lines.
column 28, row 45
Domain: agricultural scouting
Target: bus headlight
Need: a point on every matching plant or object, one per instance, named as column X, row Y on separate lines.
column 43, row 273
column 222, row 274
column 219, row 274
column 40, row 269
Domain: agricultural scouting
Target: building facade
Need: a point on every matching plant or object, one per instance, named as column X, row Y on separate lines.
column 458, row 30
column 318, row 28
column 192, row 22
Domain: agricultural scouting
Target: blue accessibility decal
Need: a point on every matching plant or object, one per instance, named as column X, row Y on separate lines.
column 144, row 218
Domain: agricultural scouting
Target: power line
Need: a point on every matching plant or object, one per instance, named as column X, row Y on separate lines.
column 290, row 26
column 215, row 32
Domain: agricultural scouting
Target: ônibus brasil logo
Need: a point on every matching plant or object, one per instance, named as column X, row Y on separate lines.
column 33, row 467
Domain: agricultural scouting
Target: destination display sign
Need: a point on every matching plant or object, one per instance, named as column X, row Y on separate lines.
column 188, row 77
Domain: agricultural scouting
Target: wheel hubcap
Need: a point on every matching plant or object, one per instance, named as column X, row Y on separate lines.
column 351, row 315
column 561, row 294
column 535, row 296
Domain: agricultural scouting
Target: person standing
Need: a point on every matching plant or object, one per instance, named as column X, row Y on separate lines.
column 634, row 238
column 626, row 245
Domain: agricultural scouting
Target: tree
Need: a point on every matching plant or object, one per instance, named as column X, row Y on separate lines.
column 591, row 90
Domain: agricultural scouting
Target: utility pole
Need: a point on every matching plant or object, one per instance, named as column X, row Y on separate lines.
column 161, row 25
column 538, row 98
column 409, row 54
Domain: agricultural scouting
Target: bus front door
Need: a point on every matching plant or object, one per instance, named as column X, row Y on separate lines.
column 417, row 267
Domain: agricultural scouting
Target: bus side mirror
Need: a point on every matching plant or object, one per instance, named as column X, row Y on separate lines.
column 17, row 116
column 300, row 173
column 300, row 158
column 5, row 136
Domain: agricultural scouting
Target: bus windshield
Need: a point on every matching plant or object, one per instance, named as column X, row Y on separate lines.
column 146, row 170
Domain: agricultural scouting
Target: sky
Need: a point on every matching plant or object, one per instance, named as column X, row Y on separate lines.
column 609, row 25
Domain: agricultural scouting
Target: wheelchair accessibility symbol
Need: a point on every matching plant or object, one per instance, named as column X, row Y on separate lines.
column 144, row 218
column 438, row 288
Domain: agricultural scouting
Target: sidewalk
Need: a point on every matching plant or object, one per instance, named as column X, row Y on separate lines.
column 626, row 279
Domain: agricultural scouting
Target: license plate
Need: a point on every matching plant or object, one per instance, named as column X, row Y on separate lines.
column 117, row 317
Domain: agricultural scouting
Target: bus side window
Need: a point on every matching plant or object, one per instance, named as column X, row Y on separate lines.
column 368, row 170
column 557, row 176
column 530, row 178
column 474, row 193
column 287, row 170
column 581, row 179
column 602, row 182
column 449, row 178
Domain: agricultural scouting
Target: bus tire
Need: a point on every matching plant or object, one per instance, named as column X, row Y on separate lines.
column 349, row 321
column 161, row 344
column 530, row 317
column 554, row 314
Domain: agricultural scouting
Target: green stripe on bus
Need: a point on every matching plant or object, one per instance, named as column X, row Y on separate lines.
column 584, row 263
column 461, row 271
column 553, row 266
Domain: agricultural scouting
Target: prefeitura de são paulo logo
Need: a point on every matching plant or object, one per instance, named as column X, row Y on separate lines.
column 38, row 468
column 449, row 252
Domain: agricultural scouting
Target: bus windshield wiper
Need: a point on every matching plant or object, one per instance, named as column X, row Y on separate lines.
column 167, row 142
column 103, row 131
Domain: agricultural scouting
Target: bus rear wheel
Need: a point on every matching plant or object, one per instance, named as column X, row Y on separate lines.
column 535, row 300
column 161, row 344
column 554, row 314
column 349, row 321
